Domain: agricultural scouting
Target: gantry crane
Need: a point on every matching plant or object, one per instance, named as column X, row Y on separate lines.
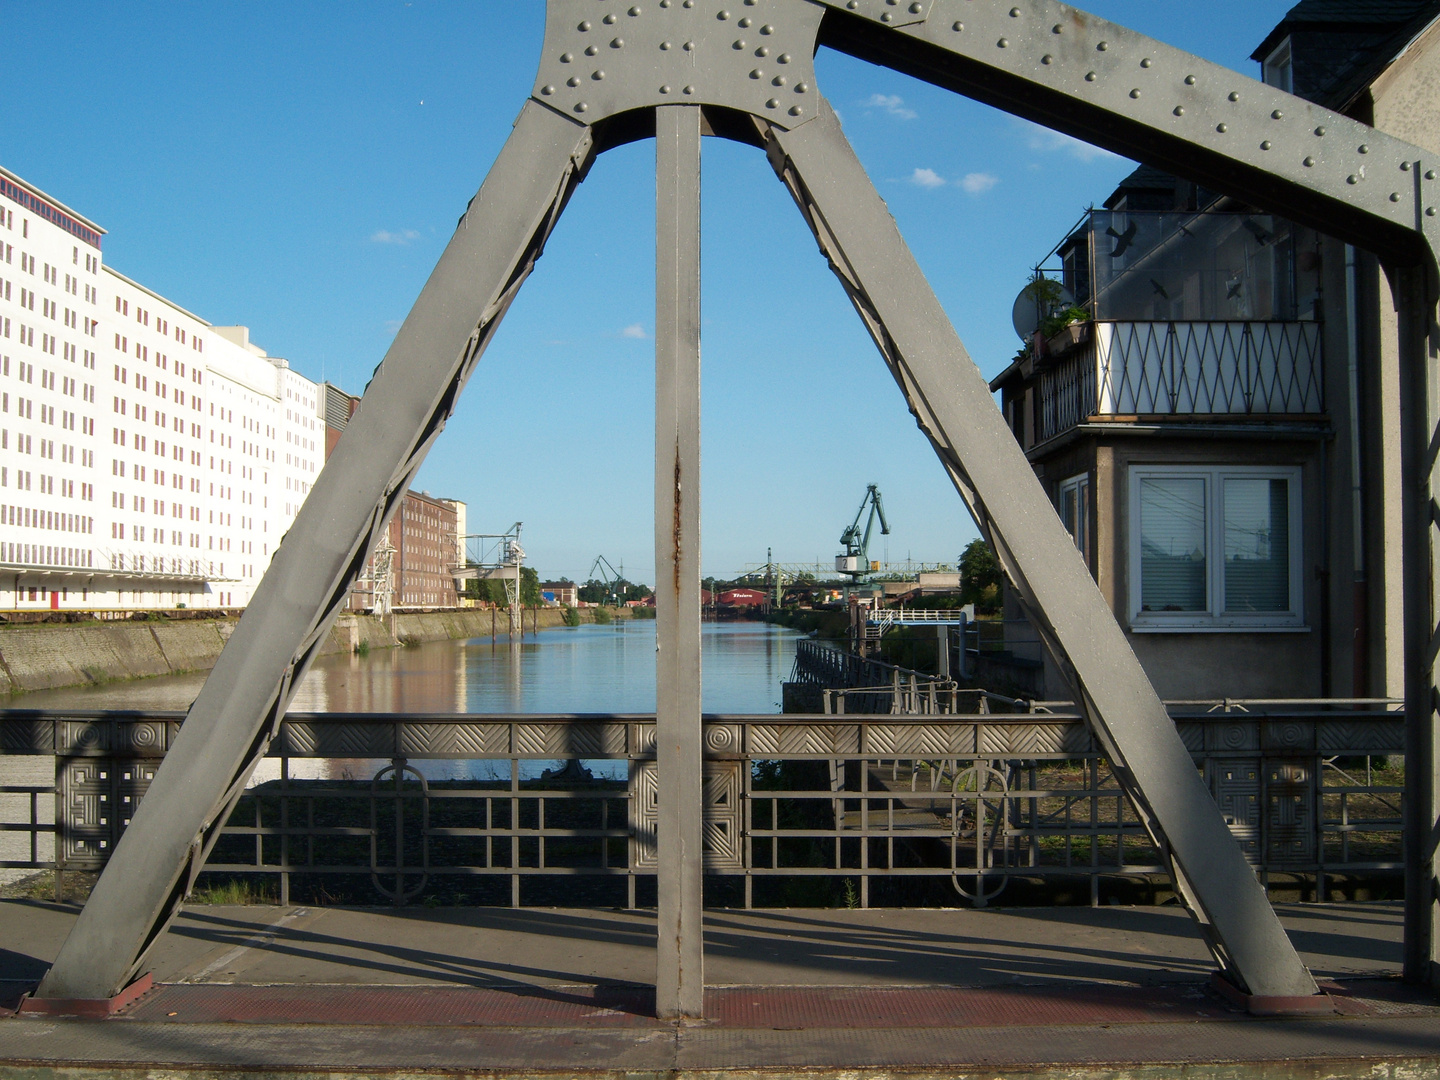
column 614, row 580
column 854, row 561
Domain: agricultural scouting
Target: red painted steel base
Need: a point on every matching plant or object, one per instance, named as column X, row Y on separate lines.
column 88, row 1008
column 1320, row 1004
column 769, row 1007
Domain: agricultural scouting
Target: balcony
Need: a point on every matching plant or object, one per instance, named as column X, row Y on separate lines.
column 1210, row 369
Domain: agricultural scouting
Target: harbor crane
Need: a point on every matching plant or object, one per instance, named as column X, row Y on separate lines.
column 854, row 561
column 613, row 580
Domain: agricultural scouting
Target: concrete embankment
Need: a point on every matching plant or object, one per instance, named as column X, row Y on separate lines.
column 43, row 656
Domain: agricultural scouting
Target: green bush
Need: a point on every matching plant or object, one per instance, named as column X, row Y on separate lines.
column 571, row 616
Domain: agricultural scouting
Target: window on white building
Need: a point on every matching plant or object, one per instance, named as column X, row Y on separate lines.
column 1215, row 548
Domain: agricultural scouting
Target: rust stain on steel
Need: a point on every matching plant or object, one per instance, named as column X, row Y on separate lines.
column 675, row 525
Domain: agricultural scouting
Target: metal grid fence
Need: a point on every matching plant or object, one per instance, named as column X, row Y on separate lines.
column 418, row 804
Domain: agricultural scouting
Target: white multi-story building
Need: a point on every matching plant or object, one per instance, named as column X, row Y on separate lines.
column 147, row 458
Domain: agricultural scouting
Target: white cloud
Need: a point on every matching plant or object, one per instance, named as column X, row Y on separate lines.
column 1047, row 141
column 977, row 183
column 927, row 178
column 403, row 237
column 636, row 331
column 893, row 104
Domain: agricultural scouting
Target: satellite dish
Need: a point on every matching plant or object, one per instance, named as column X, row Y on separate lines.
column 1037, row 301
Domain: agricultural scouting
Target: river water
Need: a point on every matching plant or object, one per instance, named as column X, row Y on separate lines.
column 567, row 669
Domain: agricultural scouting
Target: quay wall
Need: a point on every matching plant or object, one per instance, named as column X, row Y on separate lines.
column 44, row 656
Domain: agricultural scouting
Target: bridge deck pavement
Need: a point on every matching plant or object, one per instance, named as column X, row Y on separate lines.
column 543, row 992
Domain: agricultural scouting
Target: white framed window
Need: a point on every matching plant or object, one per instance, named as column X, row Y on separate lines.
column 1215, row 548
column 1074, row 509
column 1278, row 69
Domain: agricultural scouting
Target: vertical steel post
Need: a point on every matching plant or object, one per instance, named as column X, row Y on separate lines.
column 679, row 981
column 1418, row 456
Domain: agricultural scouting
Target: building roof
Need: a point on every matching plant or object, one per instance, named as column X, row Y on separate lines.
column 1339, row 47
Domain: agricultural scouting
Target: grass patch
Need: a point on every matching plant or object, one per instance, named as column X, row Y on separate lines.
column 234, row 890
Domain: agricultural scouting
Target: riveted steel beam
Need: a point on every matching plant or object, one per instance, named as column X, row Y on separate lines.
column 953, row 407
column 1096, row 80
column 1113, row 87
column 404, row 408
column 679, row 982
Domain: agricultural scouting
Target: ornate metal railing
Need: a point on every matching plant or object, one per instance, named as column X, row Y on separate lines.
column 799, row 809
column 1170, row 368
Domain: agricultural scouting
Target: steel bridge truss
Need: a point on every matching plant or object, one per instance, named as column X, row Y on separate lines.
column 613, row 71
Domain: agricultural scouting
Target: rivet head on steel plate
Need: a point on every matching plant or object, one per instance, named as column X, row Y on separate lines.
column 915, row 9
column 1429, row 211
column 1352, row 179
column 1145, row 63
column 779, row 80
column 1320, row 132
column 1047, row 59
column 1135, row 93
column 1234, row 95
column 547, row 90
column 801, row 87
column 1429, row 174
column 1309, row 162
column 665, row 89
column 773, row 103
column 617, row 43
column 1003, row 43
column 1089, row 76
column 584, row 26
column 957, row 26
column 598, row 75
column 1222, row 128
column 745, row 22
column 767, row 29
column 1277, row 115
column 590, row 50
column 664, row 46
column 1179, row 110
column 574, row 80
column 1189, row 80
column 1265, row 145
column 1102, row 46
column 756, row 73
column 580, row 106
column 1364, row 148
column 634, row 11
column 723, row 15
column 783, row 58
column 796, row 110
column 1394, row 196
column 610, row 18
column 565, row 58
column 739, row 43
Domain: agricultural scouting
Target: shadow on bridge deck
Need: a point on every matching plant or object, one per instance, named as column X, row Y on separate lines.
column 529, row 991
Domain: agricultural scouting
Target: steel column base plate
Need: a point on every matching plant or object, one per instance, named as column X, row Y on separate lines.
column 1320, row 1004
column 88, row 1008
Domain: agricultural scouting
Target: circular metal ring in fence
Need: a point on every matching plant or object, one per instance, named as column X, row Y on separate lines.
column 978, row 802
column 396, row 773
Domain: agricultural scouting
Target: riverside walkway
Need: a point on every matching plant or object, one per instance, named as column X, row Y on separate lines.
column 1110, row 991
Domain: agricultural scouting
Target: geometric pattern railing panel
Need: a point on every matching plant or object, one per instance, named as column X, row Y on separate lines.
column 1185, row 368
column 1208, row 367
column 1265, row 771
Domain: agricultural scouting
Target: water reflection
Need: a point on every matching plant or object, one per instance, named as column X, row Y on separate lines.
column 569, row 669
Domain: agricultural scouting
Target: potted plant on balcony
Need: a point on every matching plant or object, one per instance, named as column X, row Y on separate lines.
column 1065, row 329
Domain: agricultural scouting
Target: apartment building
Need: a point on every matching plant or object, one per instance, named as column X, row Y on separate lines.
column 147, row 457
column 412, row 566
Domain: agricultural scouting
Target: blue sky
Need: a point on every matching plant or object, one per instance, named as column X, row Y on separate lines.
column 298, row 167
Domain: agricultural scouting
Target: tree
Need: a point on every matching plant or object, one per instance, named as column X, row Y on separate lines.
column 980, row 578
